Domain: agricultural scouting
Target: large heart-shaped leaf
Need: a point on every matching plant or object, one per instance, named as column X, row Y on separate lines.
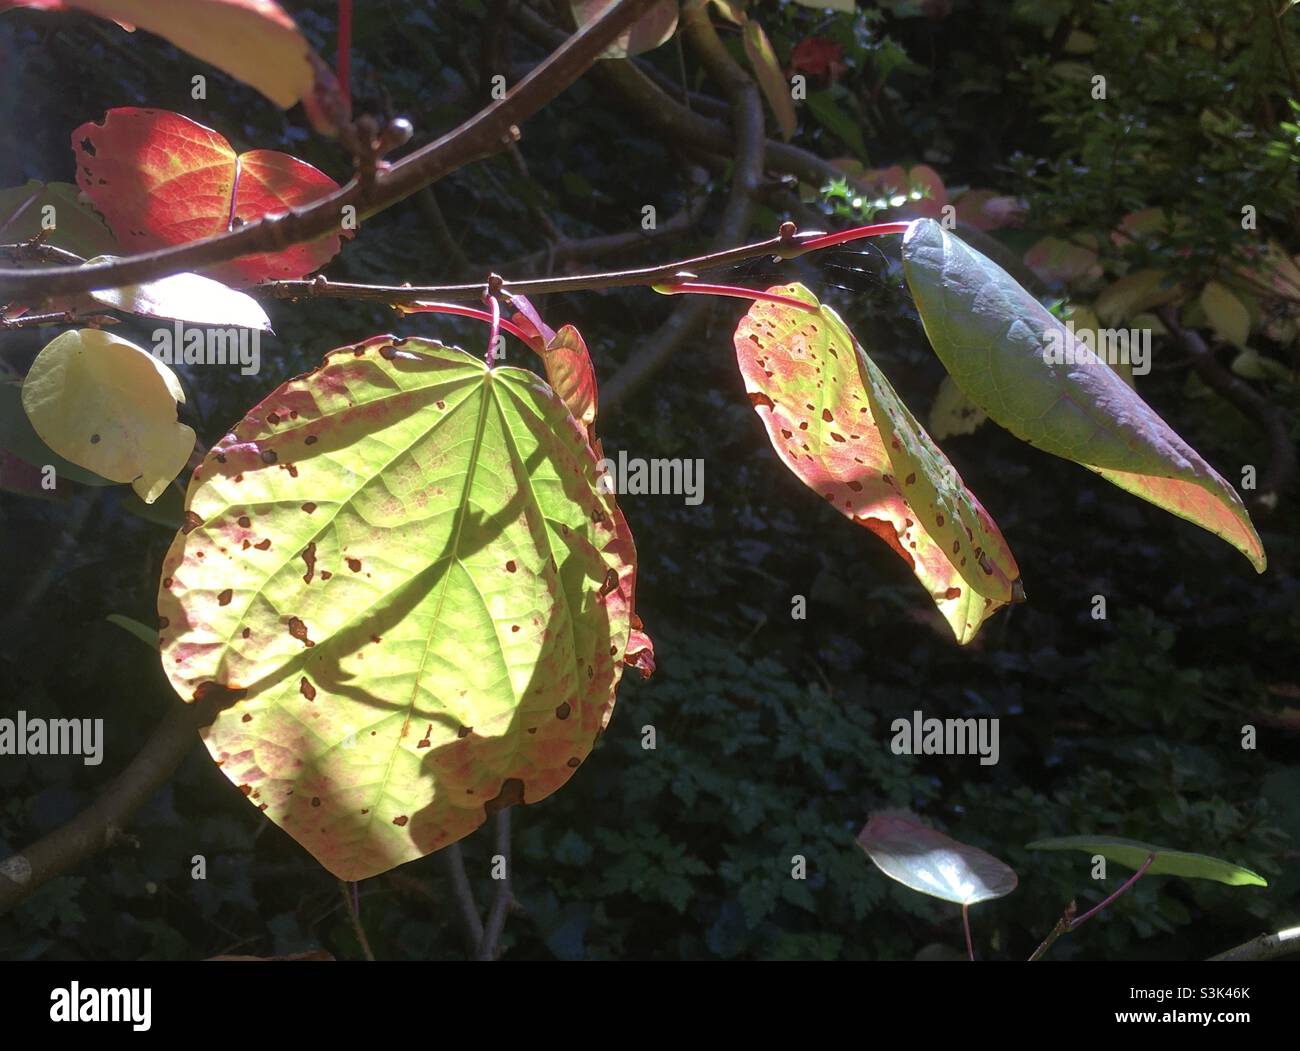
column 837, row 424
column 110, row 407
column 1001, row 346
column 253, row 40
column 919, row 857
column 161, row 179
column 1132, row 854
column 401, row 575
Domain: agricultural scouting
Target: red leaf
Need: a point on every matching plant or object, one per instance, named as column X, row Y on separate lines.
column 161, row 179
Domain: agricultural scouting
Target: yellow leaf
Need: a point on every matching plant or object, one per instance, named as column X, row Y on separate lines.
column 1226, row 314
column 109, row 407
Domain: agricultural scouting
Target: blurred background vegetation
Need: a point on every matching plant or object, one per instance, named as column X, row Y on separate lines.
column 772, row 733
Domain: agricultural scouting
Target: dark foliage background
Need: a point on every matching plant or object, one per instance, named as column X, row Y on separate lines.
column 772, row 733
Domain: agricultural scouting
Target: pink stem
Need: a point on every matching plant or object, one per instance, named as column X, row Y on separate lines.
column 965, row 919
column 856, row 234
column 345, row 50
column 461, row 310
column 1127, row 883
column 733, row 292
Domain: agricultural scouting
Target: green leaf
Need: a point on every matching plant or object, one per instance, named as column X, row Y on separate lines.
column 927, row 861
column 28, row 211
column 134, row 627
column 1132, row 854
column 828, row 114
column 185, row 297
column 109, row 407
column 835, row 421
column 399, row 574
column 767, row 70
column 1004, row 350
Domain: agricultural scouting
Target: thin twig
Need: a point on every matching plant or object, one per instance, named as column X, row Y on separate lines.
column 353, row 908
column 489, row 946
column 1265, row 947
column 453, row 860
column 480, row 136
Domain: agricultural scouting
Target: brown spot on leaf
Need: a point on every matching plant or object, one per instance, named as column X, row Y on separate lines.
column 575, row 762
column 306, row 689
column 311, row 439
column 309, row 507
column 269, row 456
column 610, row 582
column 299, row 631
column 224, row 598
column 245, row 521
column 562, row 712
column 315, row 800
column 264, row 545
column 826, row 415
column 401, row 820
column 758, row 398
column 191, row 523
column 510, row 566
column 221, row 695
column 309, row 558
column 952, row 593
column 354, row 564
column 464, row 732
column 246, row 718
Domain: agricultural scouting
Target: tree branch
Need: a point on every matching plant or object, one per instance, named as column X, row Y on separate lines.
column 483, row 134
column 489, row 944
column 101, row 824
column 1265, row 947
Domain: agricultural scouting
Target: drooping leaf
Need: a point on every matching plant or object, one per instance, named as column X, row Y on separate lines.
column 827, row 112
column 837, row 424
column 397, row 572
column 161, row 179
column 767, row 70
column 1132, row 854
column 54, row 211
column 109, row 407
column 645, row 34
column 926, row 860
column 1001, row 346
column 1063, row 262
column 253, row 40
column 185, row 297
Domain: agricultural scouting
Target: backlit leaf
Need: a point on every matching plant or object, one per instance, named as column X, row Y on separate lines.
column 1132, row 854
column 161, row 179
column 109, row 407
column 997, row 342
column 185, row 297
column 837, row 424
column 953, row 412
column 926, row 860
column 399, row 573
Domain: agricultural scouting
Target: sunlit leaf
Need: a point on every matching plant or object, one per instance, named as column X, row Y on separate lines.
column 161, row 179
column 185, row 297
column 1132, row 294
column 926, row 860
column 1001, row 346
column 399, row 572
column 836, row 422
column 19, row 438
column 767, row 71
column 1132, row 854
column 110, row 407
